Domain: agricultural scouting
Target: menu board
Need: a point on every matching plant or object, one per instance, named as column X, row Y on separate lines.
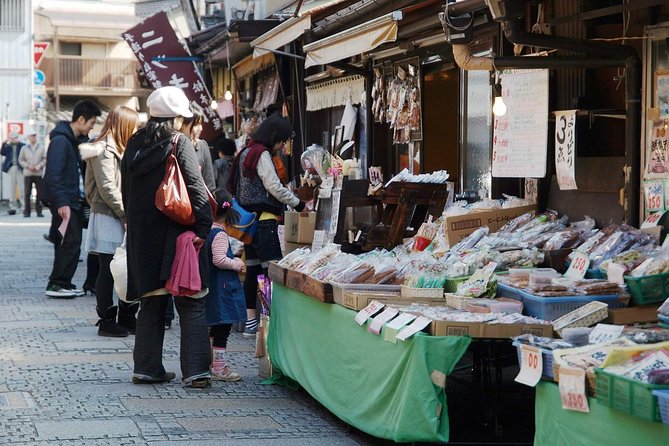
column 519, row 148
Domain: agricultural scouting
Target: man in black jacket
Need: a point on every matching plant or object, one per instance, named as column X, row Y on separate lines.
column 63, row 189
column 11, row 150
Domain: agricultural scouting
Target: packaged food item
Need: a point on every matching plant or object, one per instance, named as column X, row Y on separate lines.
column 483, row 283
column 564, row 239
column 513, row 225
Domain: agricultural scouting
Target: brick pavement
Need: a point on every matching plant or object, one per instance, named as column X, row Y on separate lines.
column 62, row 384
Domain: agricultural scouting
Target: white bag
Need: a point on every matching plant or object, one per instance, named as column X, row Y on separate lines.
column 119, row 270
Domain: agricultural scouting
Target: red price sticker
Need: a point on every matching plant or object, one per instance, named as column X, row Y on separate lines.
column 572, row 389
column 579, row 265
column 654, row 191
column 531, row 366
column 652, row 220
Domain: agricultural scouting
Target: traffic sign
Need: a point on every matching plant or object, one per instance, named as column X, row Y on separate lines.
column 39, row 77
column 39, row 48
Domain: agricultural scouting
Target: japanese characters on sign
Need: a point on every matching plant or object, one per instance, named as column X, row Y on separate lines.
column 657, row 156
column 565, row 149
column 165, row 61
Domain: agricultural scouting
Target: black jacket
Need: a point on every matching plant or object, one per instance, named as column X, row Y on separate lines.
column 151, row 236
column 7, row 151
column 62, row 174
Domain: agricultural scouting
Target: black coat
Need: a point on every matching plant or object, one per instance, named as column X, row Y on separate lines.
column 63, row 168
column 151, row 235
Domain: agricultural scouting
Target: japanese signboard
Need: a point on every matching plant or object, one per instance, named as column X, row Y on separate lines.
column 657, row 156
column 165, row 61
column 565, row 149
column 520, row 143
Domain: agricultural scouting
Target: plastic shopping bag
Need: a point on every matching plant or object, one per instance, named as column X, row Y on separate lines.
column 119, row 270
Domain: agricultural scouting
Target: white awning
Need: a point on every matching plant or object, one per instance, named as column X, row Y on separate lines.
column 283, row 34
column 357, row 40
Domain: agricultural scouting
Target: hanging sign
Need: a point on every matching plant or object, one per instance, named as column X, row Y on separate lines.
column 565, row 149
column 531, row 366
column 657, row 152
column 39, row 48
column 654, row 193
column 572, row 389
column 519, row 147
column 165, row 62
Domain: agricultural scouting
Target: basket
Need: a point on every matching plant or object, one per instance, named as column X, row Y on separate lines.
column 338, row 289
column 421, row 293
column 457, row 302
column 451, row 284
column 663, row 403
column 648, row 289
column 594, row 273
column 547, row 355
column 629, row 396
column 585, row 316
column 504, row 290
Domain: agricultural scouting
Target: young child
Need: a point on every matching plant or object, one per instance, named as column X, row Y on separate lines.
column 225, row 302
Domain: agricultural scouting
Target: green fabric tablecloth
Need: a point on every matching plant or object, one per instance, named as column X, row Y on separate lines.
column 391, row 391
column 602, row 426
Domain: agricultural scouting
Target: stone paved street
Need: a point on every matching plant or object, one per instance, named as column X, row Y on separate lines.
column 62, row 384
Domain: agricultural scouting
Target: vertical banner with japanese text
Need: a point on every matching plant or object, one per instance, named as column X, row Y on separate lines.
column 565, row 149
column 165, row 61
column 657, row 156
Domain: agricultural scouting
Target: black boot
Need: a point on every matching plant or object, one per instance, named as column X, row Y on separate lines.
column 107, row 325
column 126, row 315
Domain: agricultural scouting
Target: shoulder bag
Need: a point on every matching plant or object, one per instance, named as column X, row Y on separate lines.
column 172, row 196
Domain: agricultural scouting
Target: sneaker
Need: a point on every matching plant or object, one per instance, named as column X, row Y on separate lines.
column 11, row 212
column 26, row 215
column 250, row 332
column 76, row 290
column 200, row 383
column 40, row 215
column 143, row 379
column 225, row 374
column 57, row 291
column 168, row 325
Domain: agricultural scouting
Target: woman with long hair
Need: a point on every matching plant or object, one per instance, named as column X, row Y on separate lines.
column 257, row 187
column 152, row 242
column 106, row 227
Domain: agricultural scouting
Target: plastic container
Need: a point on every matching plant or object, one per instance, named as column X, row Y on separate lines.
column 629, row 396
column 451, row 284
column 542, row 276
column 547, row 356
column 519, row 273
column 663, row 403
column 338, row 289
column 648, row 289
column 551, row 308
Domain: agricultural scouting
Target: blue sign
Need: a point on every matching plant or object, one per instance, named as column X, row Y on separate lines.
column 39, row 77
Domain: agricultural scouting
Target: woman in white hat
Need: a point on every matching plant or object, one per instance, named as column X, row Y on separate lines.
column 151, row 242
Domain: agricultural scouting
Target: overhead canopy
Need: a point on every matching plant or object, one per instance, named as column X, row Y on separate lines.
column 283, row 34
column 357, row 40
column 250, row 65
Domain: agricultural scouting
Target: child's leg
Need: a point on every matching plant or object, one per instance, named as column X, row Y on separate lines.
column 219, row 368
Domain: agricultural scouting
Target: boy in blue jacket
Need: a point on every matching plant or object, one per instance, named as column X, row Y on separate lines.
column 63, row 191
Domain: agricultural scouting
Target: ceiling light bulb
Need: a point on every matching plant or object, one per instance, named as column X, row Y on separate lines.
column 214, row 104
column 499, row 107
column 228, row 95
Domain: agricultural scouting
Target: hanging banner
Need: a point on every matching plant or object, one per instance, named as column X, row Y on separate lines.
column 165, row 61
column 565, row 149
column 520, row 144
column 657, row 156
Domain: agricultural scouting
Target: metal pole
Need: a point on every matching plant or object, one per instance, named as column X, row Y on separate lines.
column 56, row 69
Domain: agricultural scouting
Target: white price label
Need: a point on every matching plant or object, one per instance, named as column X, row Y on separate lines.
column 531, row 366
column 380, row 320
column 417, row 325
column 369, row 311
column 652, row 220
column 572, row 389
column 579, row 265
column 319, row 241
column 654, row 191
column 604, row 333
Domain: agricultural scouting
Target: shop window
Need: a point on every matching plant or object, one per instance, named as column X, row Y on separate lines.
column 477, row 118
column 70, row 49
column 12, row 15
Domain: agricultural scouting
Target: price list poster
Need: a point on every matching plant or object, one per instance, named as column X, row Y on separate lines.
column 519, row 148
column 656, row 171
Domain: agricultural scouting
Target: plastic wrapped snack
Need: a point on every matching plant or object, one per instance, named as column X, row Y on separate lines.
column 517, row 222
column 471, row 240
column 568, row 238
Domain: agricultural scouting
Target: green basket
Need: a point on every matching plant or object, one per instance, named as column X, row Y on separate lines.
column 451, row 284
column 648, row 289
column 626, row 395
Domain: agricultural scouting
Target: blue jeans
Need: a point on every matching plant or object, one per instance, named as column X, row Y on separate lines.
column 195, row 351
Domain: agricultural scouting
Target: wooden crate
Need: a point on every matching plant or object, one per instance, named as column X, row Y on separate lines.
column 276, row 273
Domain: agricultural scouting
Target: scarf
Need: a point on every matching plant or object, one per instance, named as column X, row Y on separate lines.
column 249, row 169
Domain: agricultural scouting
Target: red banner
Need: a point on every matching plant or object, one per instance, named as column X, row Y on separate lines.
column 158, row 50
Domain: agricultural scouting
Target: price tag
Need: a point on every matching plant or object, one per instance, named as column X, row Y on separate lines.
column 572, row 389
column 370, row 310
column 417, row 325
column 579, row 265
column 319, row 241
column 654, row 191
column 394, row 326
column 652, row 220
column 603, row 333
column 616, row 273
column 531, row 366
column 380, row 320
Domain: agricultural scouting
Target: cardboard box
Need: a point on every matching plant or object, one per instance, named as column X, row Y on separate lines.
column 450, row 328
column 276, row 273
column 290, row 247
column 320, row 291
column 299, row 227
column 632, row 315
column 490, row 331
column 459, row 227
column 357, row 300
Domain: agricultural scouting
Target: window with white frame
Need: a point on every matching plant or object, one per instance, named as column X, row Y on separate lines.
column 12, row 15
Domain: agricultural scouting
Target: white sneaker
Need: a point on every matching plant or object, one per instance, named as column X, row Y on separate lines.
column 60, row 292
column 225, row 375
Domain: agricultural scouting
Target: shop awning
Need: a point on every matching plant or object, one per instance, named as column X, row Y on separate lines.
column 250, row 65
column 357, row 40
column 283, row 34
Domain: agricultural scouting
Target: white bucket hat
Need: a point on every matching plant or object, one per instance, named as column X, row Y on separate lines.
column 169, row 102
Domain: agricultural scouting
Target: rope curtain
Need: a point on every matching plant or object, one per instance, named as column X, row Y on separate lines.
column 335, row 93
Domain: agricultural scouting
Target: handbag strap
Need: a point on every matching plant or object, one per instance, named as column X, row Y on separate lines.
column 175, row 140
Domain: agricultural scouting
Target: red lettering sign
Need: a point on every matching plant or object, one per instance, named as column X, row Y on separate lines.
column 39, row 48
